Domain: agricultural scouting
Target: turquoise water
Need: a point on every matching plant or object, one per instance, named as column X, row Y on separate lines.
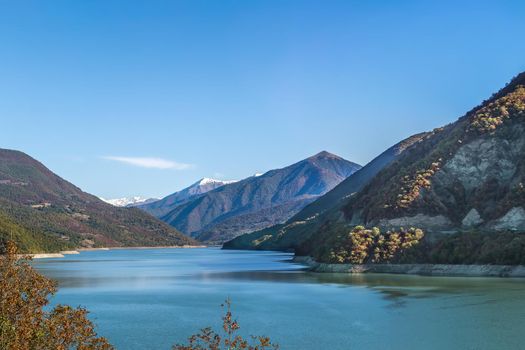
column 153, row 298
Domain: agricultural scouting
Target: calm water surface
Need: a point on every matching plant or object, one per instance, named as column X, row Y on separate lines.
column 150, row 299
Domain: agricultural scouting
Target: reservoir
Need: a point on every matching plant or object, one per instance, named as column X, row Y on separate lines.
column 154, row 298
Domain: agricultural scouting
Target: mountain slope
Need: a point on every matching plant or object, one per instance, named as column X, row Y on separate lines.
column 466, row 176
column 163, row 206
column 45, row 213
column 297, row 229
column 259, row 201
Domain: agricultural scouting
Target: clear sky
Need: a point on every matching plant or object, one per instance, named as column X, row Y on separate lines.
column 145, row 97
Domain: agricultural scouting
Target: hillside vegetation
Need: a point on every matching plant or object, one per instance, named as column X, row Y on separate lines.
column 42, row 212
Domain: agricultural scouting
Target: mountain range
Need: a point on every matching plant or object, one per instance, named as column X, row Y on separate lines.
column 253, row 203
column 298, row 228
column 44, row 212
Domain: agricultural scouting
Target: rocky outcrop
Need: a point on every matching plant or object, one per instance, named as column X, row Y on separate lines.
column 471, row 189
column 434, row 223
column 514, row 220
column 472, row 219
column 477, row 187
column 480, row 160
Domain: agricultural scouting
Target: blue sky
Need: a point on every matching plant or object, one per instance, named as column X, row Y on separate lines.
column 145, row 97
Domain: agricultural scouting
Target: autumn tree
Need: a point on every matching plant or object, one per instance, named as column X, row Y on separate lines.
column 25, row 324
column 208, row 339
column 363, row 246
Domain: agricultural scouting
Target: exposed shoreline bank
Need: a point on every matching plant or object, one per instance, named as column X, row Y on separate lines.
column 79, row 250
column 416, row 269
column 156, row 247
column 51, row 255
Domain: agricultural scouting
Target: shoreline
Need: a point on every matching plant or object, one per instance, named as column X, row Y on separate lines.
column 62, row 254
column 156, row 247
column 436, row 270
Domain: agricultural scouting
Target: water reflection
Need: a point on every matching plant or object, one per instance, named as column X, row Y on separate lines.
column 136, row 273
column 172, row 293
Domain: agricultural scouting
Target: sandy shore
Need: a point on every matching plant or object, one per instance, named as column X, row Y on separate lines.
column 417, row 269
column 79, row 250
column 90, row 249
column 158, row 247
column 52, row 255
column 44, row 255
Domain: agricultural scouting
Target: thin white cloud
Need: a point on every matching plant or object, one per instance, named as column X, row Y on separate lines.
column 150, row 162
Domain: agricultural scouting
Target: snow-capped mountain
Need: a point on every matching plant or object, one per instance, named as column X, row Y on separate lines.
column 259, row 201
column 208, row 181
column 129, row 201
column 166, row 204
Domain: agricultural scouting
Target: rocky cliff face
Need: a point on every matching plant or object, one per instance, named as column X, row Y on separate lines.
column 472, row 178
column 480, row 179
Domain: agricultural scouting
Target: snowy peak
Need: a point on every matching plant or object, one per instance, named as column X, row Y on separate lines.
column 128, row 201
column 209, row 181
column 204, row 185
column 168, row 203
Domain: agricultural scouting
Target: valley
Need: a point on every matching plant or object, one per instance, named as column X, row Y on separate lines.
column 460, row 186
column 262, row 175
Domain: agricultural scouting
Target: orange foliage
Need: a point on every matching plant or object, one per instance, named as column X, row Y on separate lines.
column 208, row 339
column 24, row 324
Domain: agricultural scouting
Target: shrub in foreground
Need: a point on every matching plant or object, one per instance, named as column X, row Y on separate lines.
column 24, row 324
column 208, row 339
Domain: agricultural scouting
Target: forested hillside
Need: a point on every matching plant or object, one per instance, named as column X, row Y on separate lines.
column 43, row 212
column 462, row 178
